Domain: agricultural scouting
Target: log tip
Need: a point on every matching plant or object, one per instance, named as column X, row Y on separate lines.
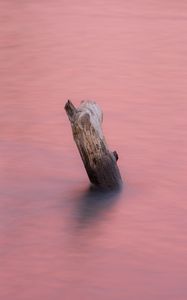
column 70, row 110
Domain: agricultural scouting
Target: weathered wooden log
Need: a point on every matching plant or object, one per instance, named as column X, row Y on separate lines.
column 99, row 162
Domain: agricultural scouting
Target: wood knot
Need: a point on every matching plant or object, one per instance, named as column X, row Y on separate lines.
column 115, row 155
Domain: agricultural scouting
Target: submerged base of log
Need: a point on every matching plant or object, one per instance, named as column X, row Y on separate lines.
column 99, row 162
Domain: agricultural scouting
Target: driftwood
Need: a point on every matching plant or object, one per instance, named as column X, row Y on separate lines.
column 99, row 161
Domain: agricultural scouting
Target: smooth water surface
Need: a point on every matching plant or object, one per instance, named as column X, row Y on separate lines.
column 58, row 239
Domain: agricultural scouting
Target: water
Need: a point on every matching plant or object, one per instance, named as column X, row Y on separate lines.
column 59, row 240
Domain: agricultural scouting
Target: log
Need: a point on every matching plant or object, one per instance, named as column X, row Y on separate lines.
column 99, row 161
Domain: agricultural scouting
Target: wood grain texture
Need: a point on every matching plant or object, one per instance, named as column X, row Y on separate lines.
column 99, row 161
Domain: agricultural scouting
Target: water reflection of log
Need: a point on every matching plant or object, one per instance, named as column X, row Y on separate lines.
column 93, row 203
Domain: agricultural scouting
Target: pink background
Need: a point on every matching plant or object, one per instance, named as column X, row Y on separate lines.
column 56, row 241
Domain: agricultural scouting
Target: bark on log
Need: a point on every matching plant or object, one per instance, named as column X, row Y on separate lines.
column 99, row 162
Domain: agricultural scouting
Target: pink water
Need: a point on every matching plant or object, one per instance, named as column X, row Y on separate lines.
column 57, row 241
